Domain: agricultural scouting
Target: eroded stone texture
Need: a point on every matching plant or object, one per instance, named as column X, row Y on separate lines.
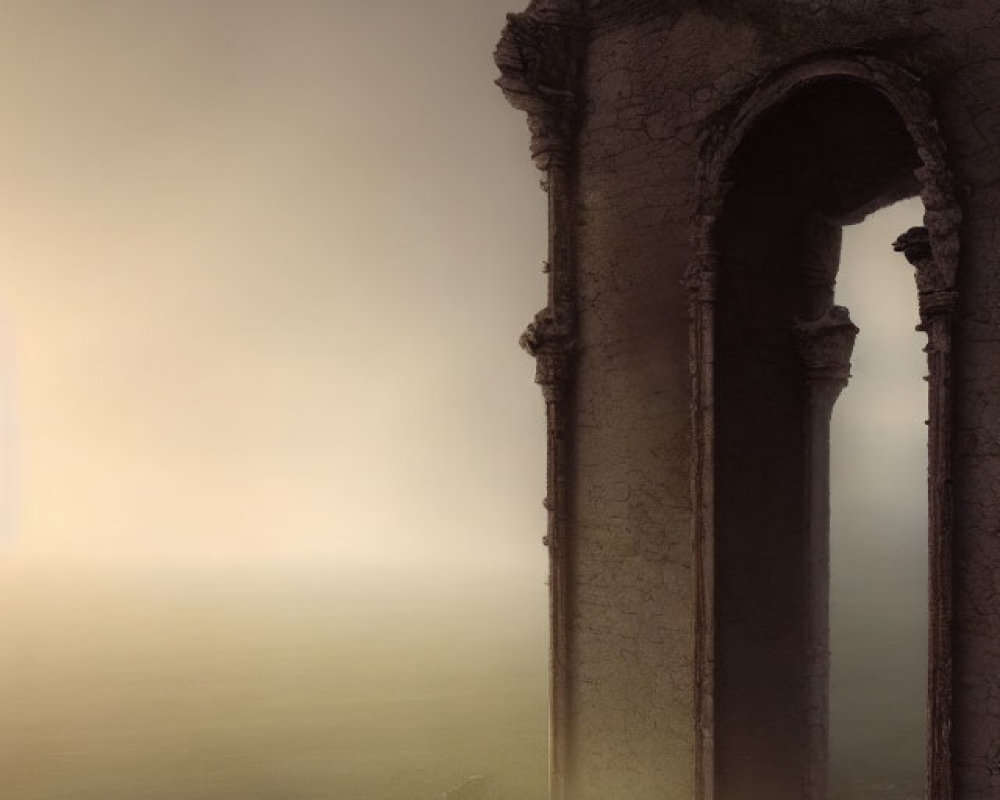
column 700, row 155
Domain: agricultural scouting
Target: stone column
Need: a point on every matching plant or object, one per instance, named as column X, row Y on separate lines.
column 539, row 56
column 937, row 299
column 825, row 345
column 701, row 285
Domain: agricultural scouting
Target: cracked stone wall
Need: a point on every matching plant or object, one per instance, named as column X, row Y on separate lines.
column 656, row 77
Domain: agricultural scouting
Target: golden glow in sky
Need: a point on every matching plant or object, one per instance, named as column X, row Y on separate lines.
column 263, row 267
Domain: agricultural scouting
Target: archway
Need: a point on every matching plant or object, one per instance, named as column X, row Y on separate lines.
column 820, row 146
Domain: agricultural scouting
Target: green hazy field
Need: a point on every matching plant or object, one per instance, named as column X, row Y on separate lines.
column 281, row 684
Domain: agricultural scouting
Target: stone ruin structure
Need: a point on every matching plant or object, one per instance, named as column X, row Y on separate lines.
column 700, row 158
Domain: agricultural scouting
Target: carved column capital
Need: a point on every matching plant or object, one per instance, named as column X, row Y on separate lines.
column 538, row 55
column 826, row 345
column 550, row 341
column 935, row 290
column 916, row 245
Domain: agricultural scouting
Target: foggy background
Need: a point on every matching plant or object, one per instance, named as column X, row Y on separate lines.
column 878, row 530
column 272, row 506
column 271, row 463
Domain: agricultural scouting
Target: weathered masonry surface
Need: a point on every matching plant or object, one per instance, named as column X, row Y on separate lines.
column 700, row 159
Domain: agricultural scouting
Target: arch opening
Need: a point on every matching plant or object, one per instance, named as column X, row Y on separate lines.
column 827, row 155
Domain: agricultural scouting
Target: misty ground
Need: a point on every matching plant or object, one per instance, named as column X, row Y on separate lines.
column 296, row 683
column 268, row 686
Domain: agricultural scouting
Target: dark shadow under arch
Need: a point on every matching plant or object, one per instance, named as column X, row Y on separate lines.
column 821, row 144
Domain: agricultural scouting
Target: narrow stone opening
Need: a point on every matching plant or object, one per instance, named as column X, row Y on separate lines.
column 878, row 527
column 826, row 157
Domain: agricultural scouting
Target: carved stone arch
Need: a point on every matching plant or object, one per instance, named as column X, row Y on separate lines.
column 934, row 250
column 899, row 86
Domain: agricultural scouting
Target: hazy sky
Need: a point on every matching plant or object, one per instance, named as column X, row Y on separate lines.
column 263, row 267
column 879, row 437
